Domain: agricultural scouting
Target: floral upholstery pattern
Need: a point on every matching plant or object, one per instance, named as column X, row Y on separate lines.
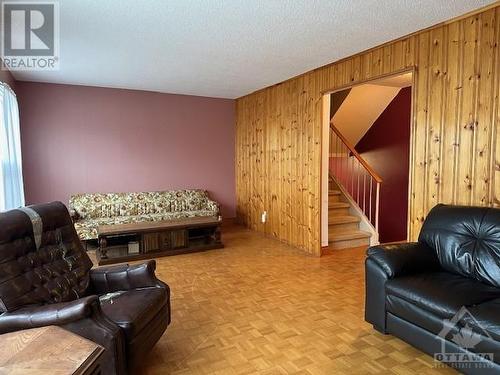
column 94, row 209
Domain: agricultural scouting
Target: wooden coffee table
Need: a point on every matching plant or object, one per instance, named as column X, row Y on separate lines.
column 149, row 239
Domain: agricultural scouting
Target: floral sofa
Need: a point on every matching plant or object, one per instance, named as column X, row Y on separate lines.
column 93, row 209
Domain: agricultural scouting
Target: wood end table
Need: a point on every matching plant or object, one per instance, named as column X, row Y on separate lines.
column 48, row 350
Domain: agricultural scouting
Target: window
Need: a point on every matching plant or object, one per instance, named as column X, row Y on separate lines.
column 11, row 177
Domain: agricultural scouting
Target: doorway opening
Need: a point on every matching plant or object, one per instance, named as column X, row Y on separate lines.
column 366, row 162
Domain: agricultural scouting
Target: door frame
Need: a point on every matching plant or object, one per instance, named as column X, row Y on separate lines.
column 325, row 125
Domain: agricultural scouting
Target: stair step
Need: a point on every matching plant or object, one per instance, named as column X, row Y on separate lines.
column 341, row 227
column 343, row 219
column 333, row 192
column 348, row 244
column 338, row 205
column 350, row 235
column 338, row 209
column 332, row 197
column 348, row 239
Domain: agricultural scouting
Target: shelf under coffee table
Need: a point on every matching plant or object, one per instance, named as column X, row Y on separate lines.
column 150, row 239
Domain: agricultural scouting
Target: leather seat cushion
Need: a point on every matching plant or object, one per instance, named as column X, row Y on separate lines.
column 441, row 293
column 414, row 314
column 483, row 325
column 485, row 318
column 133, row 310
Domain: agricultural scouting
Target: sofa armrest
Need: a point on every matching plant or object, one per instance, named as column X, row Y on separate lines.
column 403, row 258
column 52, row 314
column 110, row 279
column 388, row 261
column 212, row 206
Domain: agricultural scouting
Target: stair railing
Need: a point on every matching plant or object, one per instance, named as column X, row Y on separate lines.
column 355, row 175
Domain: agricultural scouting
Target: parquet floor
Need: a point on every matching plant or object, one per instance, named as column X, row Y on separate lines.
column 261, row 307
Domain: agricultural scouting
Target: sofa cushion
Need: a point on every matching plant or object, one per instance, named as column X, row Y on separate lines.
column 441, row 293
column 89, row 206
column 144, row 203
column 96, row 209
column 97, row 205
column 453, row 332
column 483, row 320
column 485, row 317
column 132, row 310
column 466, row 240
column 188, row 200
column 414, row 314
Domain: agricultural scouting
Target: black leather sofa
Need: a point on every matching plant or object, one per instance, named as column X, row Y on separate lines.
column 442, row 293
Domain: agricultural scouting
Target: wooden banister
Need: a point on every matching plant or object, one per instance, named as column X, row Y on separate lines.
column 362, row 161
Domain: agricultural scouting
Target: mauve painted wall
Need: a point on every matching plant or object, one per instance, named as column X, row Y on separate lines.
column 386, row 147
column 88, row 139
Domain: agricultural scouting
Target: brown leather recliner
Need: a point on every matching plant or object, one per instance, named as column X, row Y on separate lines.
column 46, row 279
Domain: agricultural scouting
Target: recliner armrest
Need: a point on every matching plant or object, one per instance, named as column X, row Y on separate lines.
column 110, row 279
column 52, row 314
column 404, row 258
column 73, row 214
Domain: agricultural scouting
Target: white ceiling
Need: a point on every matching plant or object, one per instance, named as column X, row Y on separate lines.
column 225, row 48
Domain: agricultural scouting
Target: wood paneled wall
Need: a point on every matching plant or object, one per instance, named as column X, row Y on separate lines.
column 455, row 136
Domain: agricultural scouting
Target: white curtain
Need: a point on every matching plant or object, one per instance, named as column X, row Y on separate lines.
column 11, row 177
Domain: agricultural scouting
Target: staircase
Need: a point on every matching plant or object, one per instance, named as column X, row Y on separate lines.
column 343, row 224
column 354, row 190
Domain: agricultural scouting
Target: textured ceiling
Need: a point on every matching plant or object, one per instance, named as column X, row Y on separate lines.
column 225, row 48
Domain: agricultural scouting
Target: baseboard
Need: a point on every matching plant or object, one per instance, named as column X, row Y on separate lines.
column 325, row 250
